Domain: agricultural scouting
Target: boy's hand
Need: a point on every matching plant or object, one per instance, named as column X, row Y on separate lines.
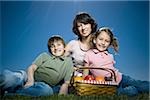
column 30, row 73
column 28, row 84
column 64, row 88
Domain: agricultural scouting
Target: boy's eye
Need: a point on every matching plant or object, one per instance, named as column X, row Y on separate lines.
column 52, row 46
column 58, row 44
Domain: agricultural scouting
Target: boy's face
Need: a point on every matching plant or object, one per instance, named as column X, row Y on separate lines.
column 57, row 48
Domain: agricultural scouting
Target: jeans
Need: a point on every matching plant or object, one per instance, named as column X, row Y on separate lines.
column 130, row 86
column 13, row 82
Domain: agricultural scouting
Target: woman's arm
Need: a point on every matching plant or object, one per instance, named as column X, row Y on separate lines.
column 67, row 50
column 30, row 73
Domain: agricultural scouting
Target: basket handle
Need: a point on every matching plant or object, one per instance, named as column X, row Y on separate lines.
column 100, row 68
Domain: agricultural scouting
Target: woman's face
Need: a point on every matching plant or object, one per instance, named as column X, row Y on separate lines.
column 84, row 29
column 102, row 41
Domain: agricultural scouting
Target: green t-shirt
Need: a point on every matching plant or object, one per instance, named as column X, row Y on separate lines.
column 52, row 70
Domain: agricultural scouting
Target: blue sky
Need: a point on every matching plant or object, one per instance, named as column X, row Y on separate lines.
column 26, row 27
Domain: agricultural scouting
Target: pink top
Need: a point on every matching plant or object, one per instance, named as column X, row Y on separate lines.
column 94, row 58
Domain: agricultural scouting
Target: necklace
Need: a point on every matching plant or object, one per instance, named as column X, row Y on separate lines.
column 84, row 50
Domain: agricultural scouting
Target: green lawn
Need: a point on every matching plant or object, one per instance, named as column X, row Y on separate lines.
column 75, row 97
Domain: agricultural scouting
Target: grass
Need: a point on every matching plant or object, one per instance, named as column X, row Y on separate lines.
column 144, row 96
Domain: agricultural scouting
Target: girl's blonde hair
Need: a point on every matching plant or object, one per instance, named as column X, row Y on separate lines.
column 113, row 40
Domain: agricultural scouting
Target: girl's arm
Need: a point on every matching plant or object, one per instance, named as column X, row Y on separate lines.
column 30, row 77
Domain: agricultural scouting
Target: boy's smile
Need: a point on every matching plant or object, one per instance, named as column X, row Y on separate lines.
column 57, row 49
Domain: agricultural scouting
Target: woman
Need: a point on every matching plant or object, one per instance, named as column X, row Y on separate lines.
column 83, row 26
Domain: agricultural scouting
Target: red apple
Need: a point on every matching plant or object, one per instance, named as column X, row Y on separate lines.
column 89, row 77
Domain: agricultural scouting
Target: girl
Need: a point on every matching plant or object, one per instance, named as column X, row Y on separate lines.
column 100, row 57
column 83, row 26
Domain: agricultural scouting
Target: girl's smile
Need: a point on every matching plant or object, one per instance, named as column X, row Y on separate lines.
column 102, row 41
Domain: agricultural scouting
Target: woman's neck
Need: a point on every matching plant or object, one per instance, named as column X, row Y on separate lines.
column 85, row 44
column 86, row 40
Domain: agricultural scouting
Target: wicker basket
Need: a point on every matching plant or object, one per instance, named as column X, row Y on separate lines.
column 94, row 87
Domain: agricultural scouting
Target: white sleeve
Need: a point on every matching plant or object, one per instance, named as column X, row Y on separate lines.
column 69, row 47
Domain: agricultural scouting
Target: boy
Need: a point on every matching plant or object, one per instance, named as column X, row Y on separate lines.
column 45, row 74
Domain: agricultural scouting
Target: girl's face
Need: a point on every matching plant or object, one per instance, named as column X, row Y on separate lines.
column 84, row 29
column 57, row 48
column 102, row 41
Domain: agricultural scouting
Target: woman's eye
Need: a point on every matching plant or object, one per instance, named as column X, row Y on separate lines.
column 85, row 23
column 79, row 26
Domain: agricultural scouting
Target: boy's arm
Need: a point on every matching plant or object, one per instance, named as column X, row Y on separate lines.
column 30, row 73
column 64, row 88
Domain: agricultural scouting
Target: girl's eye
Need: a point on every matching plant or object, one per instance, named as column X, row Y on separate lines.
column 100, row 39
column 107, row 41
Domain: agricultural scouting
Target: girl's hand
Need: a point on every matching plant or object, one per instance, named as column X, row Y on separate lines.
column 28, row 84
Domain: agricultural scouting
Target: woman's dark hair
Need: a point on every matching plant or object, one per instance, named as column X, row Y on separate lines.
column 54, row 39
column 83, row 18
